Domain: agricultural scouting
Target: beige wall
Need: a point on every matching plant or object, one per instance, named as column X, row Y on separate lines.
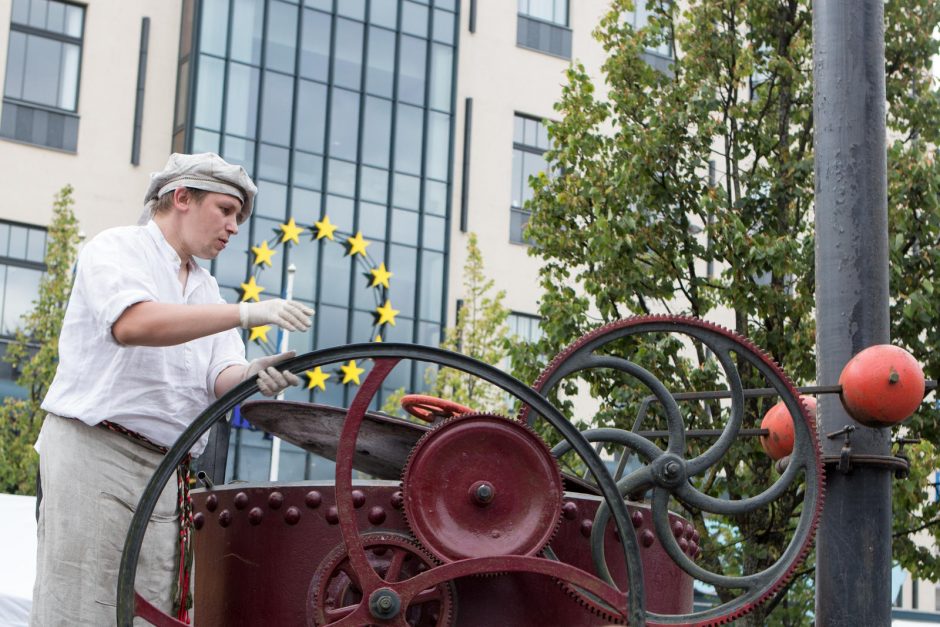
column 504, row 79
column 106, row 99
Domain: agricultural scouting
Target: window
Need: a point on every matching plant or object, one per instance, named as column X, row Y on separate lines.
column 660, row 55
column 524, row 327
column 40, row 96
column 529, row 143
column 22, row 255
column 543, row 25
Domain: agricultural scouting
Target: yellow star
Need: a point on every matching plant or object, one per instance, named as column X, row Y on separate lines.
column 351, row 372
column 251, row 290
column 291, row 232
column 380, row 276
column 357, row 245
column 386, row 313
column 263, row 254
column 260, row 334
column 325, row 228
column 317, row 378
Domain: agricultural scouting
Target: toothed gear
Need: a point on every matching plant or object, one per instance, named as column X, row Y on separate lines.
column 334, row 593
column 592, row 604
column 481, row 485
column 810, row 462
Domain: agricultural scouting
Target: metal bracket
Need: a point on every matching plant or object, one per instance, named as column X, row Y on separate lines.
column 900, row 463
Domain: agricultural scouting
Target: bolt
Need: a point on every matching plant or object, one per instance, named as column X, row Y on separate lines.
column 893, row 377
column 672, row 469
column 482, row 493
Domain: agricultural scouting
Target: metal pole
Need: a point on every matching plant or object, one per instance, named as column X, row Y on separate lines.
column 853, row 547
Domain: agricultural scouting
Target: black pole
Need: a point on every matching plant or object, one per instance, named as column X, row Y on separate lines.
column 853, row 548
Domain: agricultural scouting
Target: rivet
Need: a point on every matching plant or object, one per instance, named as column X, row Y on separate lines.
column 275, row 500
column 377, row 515
column 241, row 500
column 332, row 515
column 292, row 515
column 695, row 536
column 636, row 517
column 678, row 529
column 647, row 538
column 570, row 510
column 586, row 526
column 683, row 545
column 358, row 498
column 199, row 520
column 398, row 500
column 689, row 529
column 693, row 550
column 225, row 518
column 212, row 502
column 255, row 515
column 313, row 499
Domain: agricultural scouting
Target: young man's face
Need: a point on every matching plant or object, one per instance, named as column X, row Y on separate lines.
column 211, row 222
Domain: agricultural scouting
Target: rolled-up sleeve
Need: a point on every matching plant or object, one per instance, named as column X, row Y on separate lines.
column 112, row 281
column 227, row 350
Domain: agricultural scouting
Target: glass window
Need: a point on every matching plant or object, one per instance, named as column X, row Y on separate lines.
column 442, row 71
column 435, row 197
column 205, row 141
column 384, row 13
column 402, row 260
column 341, row 212
column 435, row 232
column 311, row 116
column 273, row 163
column 241, row 100
column 315, row 45
column 554, row 11
column 240, row 152
column 271, row 203
column 405, row 227
column 341, row 178
column 377, row 132
column 432, row 285
column 355, row 9
column 305, row 206
column 344, row 124
column 282, row 36
column 530, row 141
column 43, row 64
column 438, row 148
column 305, row 258
column 414, row 19
column 409, row 137
column 380, row 73
column 212, row 35
column 19, row 284
column 374, row 185
column 276, row 108
column 372, row 221
column 347, row 62
column 641, row 17
column 406, row 191
column 411, row 75
column 247, row 21
column 308, row 170
column 334, row 280
column 209, row 93
column 444, row 26
column 524, row 326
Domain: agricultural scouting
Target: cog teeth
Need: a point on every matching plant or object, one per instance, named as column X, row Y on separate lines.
column 584, row 601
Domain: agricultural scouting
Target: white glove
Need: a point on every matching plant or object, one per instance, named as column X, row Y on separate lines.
column 271, row 381
column 287, row 314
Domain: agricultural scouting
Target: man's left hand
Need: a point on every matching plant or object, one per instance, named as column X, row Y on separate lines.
column 272, row 381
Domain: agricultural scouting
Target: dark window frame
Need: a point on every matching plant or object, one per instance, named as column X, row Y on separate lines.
column 12, row 105
column 516, row 238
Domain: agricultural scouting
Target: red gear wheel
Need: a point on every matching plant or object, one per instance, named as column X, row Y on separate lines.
column 334, row 592
column 481, row 485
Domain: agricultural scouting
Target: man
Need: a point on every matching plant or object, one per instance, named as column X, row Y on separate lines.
column 147, row 344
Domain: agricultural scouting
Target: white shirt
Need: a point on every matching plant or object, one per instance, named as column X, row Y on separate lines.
column 155, row 391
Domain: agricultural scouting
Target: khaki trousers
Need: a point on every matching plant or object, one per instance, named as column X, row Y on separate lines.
column 92, row 480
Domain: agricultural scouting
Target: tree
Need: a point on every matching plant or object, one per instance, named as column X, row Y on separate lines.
column 630, row 223
column 480, row 332
column 34, row 352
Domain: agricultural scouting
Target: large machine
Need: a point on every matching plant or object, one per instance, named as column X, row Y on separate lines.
column 468, row 518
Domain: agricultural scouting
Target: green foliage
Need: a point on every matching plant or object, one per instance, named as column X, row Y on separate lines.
column 630, row 223
column 35, row 350
column 480, row 332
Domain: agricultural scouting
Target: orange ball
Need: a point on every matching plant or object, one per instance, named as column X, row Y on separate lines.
column 882, row 385
column 778, row 443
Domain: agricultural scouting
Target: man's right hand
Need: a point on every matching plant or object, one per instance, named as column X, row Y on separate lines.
column 287, row 314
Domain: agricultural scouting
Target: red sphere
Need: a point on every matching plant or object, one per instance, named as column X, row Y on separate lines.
column 779, row 442
column 882, row 385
